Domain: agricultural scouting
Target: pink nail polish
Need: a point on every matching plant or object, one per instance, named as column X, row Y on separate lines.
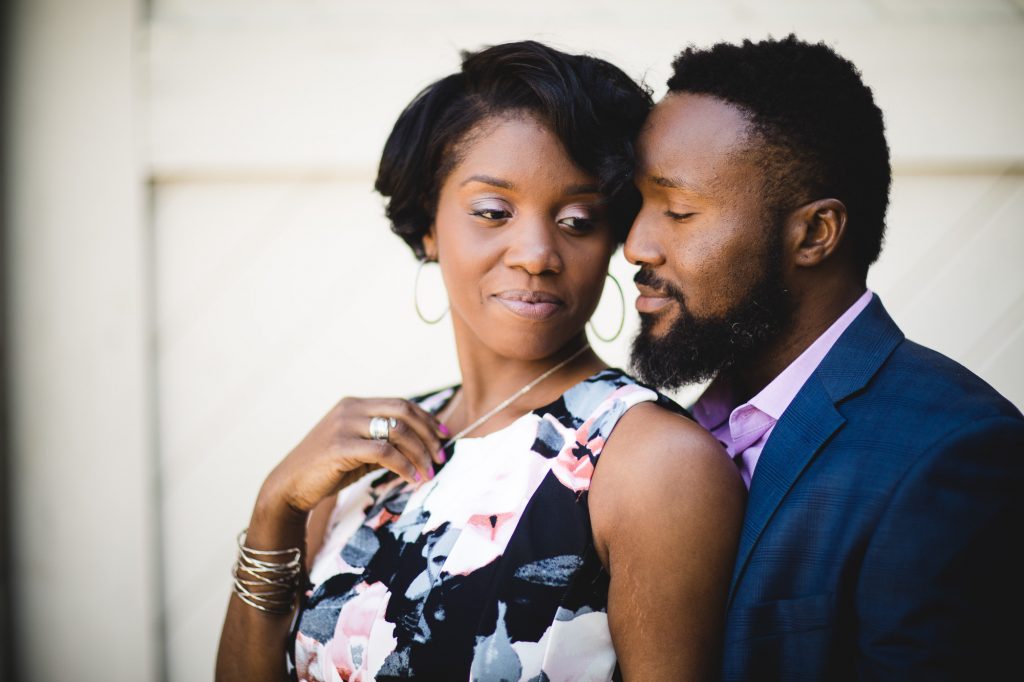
column 416, row 477
column 442, row 456
column 443, row 429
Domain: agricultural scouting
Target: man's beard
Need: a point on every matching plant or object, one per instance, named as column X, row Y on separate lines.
column 697, row 349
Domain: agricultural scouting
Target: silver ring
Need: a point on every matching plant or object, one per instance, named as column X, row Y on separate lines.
column 380, row 427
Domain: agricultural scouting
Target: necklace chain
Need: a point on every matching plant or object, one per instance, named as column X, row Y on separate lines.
column 512, row 398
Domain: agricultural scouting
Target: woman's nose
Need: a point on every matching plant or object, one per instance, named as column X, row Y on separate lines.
column 533, row 246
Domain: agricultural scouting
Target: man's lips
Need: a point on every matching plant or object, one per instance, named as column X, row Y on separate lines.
column 651, row 300
column 533, row 305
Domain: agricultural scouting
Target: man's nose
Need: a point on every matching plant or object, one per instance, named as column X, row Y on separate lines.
column 642, row 246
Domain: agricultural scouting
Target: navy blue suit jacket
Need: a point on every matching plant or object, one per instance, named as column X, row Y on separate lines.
column 882, row 518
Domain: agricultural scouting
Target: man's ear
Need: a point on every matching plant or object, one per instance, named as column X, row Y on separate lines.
column 816, row 230
column 430, row 244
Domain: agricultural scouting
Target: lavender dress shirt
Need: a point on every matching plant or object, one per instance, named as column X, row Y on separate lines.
column 745, row 429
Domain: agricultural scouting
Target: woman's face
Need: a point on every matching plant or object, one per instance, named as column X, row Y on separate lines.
column 522, row 240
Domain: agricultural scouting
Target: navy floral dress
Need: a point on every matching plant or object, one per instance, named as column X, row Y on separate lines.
column 486, row 572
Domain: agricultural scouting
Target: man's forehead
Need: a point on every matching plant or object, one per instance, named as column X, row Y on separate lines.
column 691, row 141
column 696, row 122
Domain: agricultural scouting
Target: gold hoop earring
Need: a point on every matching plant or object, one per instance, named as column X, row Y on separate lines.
column 416, row 296
column 622, row 317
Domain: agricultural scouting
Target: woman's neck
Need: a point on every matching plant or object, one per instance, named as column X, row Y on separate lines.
column 489, row 378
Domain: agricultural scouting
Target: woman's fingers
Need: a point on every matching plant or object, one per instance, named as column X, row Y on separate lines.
column 383, row 454
column 341, row 448
column 424, row 423
column 412, row 422
column 408, row 441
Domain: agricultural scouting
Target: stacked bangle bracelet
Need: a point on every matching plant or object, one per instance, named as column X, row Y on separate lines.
column 267, row 579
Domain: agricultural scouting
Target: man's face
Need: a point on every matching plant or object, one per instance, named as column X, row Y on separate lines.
column 710, row 252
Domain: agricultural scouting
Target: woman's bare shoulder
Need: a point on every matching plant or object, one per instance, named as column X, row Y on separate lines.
column 662, row 466
column 650, row 442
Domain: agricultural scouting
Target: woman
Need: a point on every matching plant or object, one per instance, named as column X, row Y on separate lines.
column 473, row 535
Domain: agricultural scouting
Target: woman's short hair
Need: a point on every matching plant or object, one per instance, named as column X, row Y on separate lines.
column 594, row 108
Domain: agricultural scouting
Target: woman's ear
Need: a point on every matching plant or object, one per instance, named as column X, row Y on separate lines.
column 430, row 244
column 817, row 229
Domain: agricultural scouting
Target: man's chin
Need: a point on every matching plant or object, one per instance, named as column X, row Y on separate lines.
column 655, row 327
column 658, row 359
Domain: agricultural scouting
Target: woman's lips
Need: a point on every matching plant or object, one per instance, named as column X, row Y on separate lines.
column 533, row 305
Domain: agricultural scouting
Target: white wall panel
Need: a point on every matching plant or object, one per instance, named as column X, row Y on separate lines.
column 950, row 273
column 320, row 92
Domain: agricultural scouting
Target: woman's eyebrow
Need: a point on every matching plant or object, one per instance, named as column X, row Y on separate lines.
column 489, row 180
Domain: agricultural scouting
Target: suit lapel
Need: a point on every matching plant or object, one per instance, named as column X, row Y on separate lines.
column 811, row 420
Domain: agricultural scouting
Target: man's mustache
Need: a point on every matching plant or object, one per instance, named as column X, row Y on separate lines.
column 647, row 277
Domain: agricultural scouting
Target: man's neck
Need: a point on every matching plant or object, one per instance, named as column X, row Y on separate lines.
column 813, row 316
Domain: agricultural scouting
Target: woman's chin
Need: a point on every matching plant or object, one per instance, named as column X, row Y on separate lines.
column 530, row 347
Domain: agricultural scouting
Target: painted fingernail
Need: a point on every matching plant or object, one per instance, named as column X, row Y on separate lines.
column 430, row 472
column 443, row 429
column 416, row 477
column 441, row 456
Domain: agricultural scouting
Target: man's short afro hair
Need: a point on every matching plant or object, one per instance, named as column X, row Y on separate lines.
column 821, row 133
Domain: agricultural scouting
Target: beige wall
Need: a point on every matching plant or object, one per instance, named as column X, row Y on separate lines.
column 199, row 266
column 82, row 472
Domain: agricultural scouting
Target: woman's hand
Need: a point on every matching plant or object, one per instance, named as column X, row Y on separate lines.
column 336, row 452
column 339, row 450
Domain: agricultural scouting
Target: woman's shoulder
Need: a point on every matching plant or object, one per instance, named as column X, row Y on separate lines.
column 657, row 446
column 662, row 471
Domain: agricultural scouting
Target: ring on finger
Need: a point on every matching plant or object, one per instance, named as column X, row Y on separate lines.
column 380, row 427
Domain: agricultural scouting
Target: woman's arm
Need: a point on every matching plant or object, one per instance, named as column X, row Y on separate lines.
column 335, row 453
column 667, row 505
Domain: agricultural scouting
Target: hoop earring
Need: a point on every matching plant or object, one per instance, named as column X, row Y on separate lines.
column 416, row 296
column 622, row 318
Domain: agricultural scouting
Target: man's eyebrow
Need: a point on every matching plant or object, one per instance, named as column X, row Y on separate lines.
column 489, row 180
column 675, row 183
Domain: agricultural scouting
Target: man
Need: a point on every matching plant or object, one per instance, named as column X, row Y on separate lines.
column 885, row 479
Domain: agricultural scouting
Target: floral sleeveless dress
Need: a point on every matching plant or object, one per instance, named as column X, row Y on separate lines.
column 486, row 572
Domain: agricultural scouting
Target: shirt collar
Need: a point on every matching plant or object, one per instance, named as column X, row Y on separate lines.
column 718, row 404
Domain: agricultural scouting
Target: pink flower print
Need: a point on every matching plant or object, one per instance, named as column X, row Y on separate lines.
column 362, row 638
column 574, row 464
column 312, row 662
column 482, row 541
column 382, row 518
column 489, row 524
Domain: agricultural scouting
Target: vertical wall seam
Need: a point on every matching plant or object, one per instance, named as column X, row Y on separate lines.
column 157, row 533
column 150, row 298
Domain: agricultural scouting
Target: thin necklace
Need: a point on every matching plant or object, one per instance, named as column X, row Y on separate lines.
column 512, row 398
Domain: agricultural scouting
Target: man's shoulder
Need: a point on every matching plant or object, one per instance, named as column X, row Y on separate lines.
column 919, row 369
column 920, row 388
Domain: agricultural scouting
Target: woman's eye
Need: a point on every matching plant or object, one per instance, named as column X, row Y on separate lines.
column 492, row 214
column 578, row 224
column 679, row 217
